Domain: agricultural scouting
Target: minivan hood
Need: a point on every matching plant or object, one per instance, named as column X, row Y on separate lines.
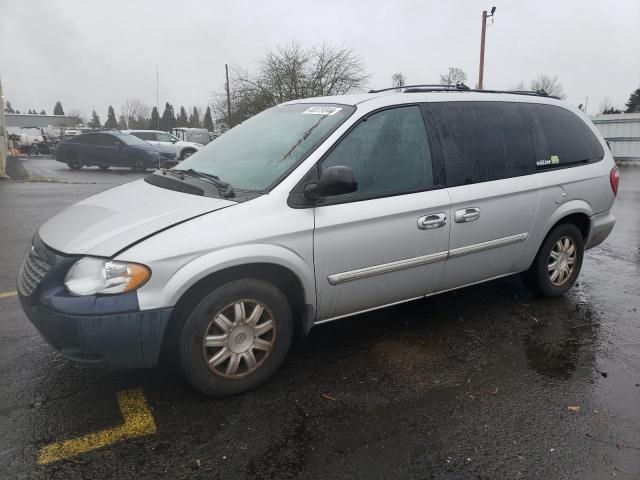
column 108, row 222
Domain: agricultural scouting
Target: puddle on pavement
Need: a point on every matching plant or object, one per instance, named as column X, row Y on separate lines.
column 561, row 342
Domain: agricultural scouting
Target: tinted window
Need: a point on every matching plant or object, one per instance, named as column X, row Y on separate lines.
column 87, row 138
column 561, row 137
column 388, row 152
column 105, row 139
column 483, row 141
column 144, row 135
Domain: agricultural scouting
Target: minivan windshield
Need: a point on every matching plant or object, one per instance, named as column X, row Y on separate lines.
column 256, row 153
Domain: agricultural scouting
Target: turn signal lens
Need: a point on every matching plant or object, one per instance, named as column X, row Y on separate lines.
column 614, row 178
column 91, row 276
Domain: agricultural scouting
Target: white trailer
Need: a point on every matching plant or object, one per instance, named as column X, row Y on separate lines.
column 622, row 132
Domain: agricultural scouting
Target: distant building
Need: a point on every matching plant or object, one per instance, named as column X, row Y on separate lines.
column 34, row 120
column 622, row 131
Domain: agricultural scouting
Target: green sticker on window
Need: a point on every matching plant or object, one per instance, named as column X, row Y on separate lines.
column 555, row 159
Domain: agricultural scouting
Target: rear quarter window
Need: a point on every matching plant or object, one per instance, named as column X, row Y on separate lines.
column 483, row 141
column 561, row 138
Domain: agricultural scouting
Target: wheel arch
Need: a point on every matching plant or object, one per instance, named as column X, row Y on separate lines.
column 284, row 278
column 577, row 212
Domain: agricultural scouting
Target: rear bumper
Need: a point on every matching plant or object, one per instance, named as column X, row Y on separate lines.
column 124, row 340
column 601, row 226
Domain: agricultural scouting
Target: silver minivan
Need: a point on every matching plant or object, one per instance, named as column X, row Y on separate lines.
column 313, row 211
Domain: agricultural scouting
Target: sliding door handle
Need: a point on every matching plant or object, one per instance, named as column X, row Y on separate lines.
column 467, row 215
column 435, row 220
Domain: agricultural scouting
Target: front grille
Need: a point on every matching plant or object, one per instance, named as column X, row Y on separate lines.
column 33, row 269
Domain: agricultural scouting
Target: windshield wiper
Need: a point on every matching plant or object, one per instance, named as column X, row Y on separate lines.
column 224, row 188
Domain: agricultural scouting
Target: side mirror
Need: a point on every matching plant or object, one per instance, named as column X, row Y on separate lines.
column 336, row 180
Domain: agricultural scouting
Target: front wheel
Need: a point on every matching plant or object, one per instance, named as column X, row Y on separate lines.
column 137, row 165
column 236, row 337
column 558, row 262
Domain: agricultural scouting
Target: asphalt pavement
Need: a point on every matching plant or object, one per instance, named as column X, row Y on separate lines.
column 488, row 382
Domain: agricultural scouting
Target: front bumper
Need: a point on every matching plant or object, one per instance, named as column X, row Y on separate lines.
column 125, row 340
column 102, row 330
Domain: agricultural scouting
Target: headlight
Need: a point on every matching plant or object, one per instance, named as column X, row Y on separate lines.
column 89, row 276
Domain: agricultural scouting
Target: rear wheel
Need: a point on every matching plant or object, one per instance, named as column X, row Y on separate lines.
column 236, row 337
column 74, row 163
column 558, row 262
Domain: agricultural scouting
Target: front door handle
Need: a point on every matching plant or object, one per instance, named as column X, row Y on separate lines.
column 435, row 220
column 467, row 215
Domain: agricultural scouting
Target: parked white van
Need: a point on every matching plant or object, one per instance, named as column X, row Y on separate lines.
column 313, row 211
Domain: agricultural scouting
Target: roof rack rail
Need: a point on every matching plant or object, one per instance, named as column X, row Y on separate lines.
column 433, row 87
column 461, row 87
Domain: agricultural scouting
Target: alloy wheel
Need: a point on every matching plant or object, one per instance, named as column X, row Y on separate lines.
column 562, row 260
column 239, row 338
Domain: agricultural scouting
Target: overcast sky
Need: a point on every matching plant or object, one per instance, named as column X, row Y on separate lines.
column 89, row 54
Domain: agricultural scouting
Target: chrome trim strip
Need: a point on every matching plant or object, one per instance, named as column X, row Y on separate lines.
column 338, row 278
column 479, row 247
column 431, row 294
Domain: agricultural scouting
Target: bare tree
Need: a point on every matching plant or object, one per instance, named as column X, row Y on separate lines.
column 398, row 80
column 453, row 77
column 136, row 113
column 290, row 72
column 78, row 114
column 548, row 84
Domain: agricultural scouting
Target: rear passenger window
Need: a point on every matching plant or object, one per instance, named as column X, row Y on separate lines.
column 388, row 152
column 483, row 141
column 144, row 135
column 561, row 138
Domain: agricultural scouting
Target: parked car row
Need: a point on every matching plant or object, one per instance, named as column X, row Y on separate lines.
column 114, row 149
column 181, row 148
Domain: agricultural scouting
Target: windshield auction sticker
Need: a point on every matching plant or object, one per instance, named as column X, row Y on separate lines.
column 322, row 110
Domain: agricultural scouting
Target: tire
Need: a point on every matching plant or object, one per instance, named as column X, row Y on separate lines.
column 566, row 241
column 74, row 163
column 104, row 168
column 186, row 153
column 137, row 165
column 235, row 344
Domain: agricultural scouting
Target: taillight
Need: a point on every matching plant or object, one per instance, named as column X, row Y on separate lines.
column 614, row 178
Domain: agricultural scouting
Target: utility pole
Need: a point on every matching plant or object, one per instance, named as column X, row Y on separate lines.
column 226, row 68
column 484, row 30
column 157, row 99
column 3, row 138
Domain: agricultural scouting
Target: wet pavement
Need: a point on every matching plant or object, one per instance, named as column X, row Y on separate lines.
column 469, row 384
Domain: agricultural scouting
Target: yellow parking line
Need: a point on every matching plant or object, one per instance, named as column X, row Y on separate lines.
column 138, row 421
column 10, row 293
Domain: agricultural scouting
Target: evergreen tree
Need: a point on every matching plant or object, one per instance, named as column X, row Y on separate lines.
column 153, row 122
column 168, row 120
column 122, row 123
column 111, row 119
column 95, row 120
column 182, row 120
column 633, row 105
column 57, row 109
column 194, row 118
column 43, row 112
column 8, row 108
column 208, row 121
